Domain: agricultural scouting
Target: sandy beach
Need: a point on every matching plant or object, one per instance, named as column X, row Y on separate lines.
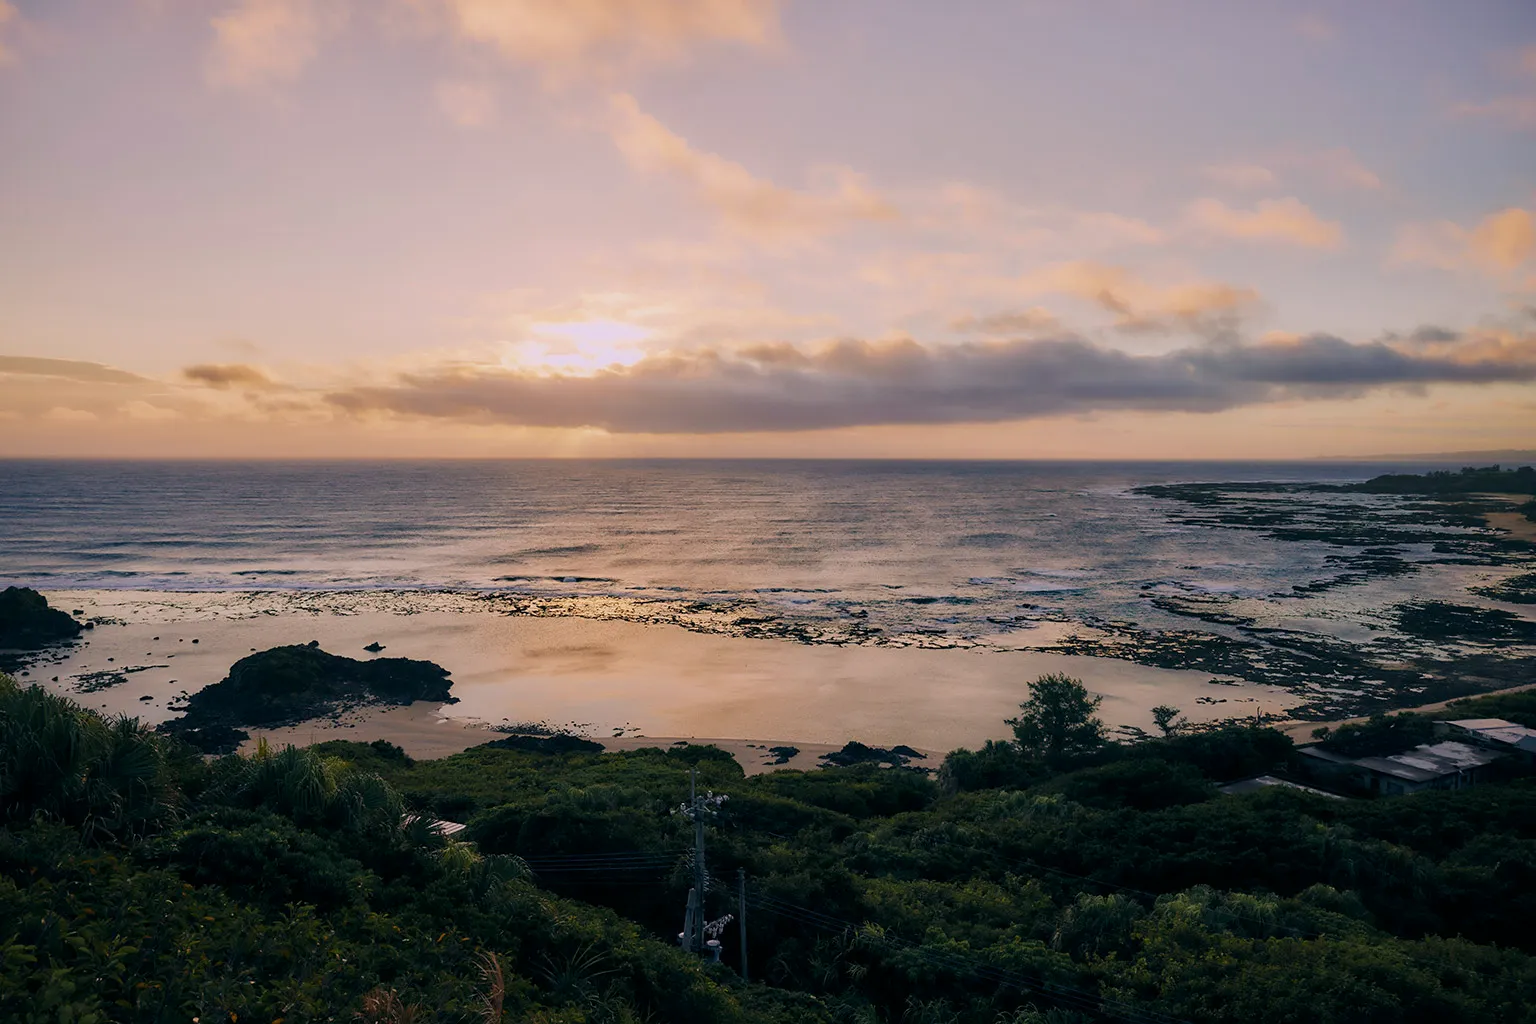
column 1513, row 523
column 624, row 683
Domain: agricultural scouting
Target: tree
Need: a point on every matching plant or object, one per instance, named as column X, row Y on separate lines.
column 1163, row 717
column 1058, row 721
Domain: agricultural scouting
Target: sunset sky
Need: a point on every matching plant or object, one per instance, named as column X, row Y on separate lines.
column 893, row 228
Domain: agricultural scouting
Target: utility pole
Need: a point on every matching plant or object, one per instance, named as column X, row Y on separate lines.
column 696, row 937
column 741, row 916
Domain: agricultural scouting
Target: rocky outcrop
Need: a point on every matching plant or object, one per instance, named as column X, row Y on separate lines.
column 288, row 685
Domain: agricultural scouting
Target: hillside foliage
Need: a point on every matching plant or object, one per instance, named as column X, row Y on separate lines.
column 140, row 881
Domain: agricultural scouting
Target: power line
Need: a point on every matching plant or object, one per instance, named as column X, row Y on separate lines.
column 1066, row 995
column 1294, row 931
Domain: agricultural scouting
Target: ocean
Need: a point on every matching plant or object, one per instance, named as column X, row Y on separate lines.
column 1310, row 600
column 896, row 549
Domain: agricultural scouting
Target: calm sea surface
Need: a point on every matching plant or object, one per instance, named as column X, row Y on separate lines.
column 937, row 548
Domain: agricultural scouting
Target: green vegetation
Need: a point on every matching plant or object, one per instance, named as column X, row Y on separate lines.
column 287, row 685
column 1470, row 480
column 140, row 882
column 1057, row 722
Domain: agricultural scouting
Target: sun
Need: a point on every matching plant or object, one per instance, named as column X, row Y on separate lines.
column 579, row 346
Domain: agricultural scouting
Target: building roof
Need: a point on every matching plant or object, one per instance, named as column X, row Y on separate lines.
column 1421, row 764
column 1259, row 782
column 1325, row 755
column 441, row 827
column 1497, row 730
column 1477, row 724
column 1430, row 761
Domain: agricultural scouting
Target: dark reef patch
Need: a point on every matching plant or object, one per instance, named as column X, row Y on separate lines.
column 1442, row 621
column 559, row 743
column 287, row 685
column 1420, row 654
column 1519, row 589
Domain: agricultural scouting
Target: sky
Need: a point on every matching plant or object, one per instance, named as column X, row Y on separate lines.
column 1165, row 229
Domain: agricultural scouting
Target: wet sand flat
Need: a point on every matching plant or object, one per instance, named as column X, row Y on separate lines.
column 599, row 677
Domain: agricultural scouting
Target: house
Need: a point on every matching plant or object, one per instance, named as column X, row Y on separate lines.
column 1448, row 764
column 1493, row 733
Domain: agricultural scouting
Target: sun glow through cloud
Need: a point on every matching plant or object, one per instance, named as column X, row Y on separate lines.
column 578, row 347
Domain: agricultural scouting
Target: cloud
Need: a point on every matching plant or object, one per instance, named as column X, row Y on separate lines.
column 1034, row 320
column 748, row 205
column 145, row 412
column 1243, row 176
column 68, row 369
column 265, row 42
column 1504, row 240
column 1286, row 220
column 851, row 383
column 1515, row 111
column 1340, row 167
column 573, row 36
column 1498, row 244
column 980, row 214
column 1317, row 28
column 466, row 104
column 224, row 376
column 8, row 18
column 64, row 414
column 1140, row 306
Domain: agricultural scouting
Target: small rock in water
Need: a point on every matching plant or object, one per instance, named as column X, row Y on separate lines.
column 146, row 697
column 375, row 647
column 194, row 639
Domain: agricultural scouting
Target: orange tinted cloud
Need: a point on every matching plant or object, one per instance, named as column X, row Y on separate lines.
column 466, row 104
column 567, row 34
column 1498, row 244
column 1139, row 305
column 751, row 206
column 8, row 18
column 265, row 42
column 1287, row 220
column 1515, row 111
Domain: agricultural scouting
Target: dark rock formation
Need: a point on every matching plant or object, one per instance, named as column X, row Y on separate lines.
column 27, row 623
column 288, row 685
column 560, row 743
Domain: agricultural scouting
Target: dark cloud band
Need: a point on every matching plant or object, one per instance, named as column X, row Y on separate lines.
column 68, row 369
column 855, row 383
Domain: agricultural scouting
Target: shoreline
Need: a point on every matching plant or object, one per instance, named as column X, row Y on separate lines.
column 1301, row 731
column 425, row 735
column 603, row 676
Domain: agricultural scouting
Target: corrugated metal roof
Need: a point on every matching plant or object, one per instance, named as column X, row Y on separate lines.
column 1259, row 782
column 1421, row 764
